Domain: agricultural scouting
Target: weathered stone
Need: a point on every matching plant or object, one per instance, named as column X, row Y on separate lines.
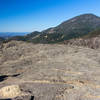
column 27, row 97
column 10, row 91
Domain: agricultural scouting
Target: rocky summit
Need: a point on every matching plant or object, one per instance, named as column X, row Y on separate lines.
column 49, row 72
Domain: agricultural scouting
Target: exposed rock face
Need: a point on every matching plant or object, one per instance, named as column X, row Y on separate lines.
column 50, row 72
column 10, row 91
column 14, row 92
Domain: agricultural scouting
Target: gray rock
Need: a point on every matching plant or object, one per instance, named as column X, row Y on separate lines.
column 24, row 98
column 28, row 97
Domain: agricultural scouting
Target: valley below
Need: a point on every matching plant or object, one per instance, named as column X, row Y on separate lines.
column 49, row 72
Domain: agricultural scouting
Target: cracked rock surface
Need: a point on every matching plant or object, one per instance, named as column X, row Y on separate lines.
column 49, row 72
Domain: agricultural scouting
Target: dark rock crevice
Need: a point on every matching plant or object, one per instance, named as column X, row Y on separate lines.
column 4, row 77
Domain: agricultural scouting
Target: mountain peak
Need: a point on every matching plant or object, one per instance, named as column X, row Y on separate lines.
column 74, row 28
column 87, row 16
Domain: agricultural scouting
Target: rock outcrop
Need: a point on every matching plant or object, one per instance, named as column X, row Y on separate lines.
column 49, row 72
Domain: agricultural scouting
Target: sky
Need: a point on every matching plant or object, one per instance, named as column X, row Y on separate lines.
column 38, row 15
